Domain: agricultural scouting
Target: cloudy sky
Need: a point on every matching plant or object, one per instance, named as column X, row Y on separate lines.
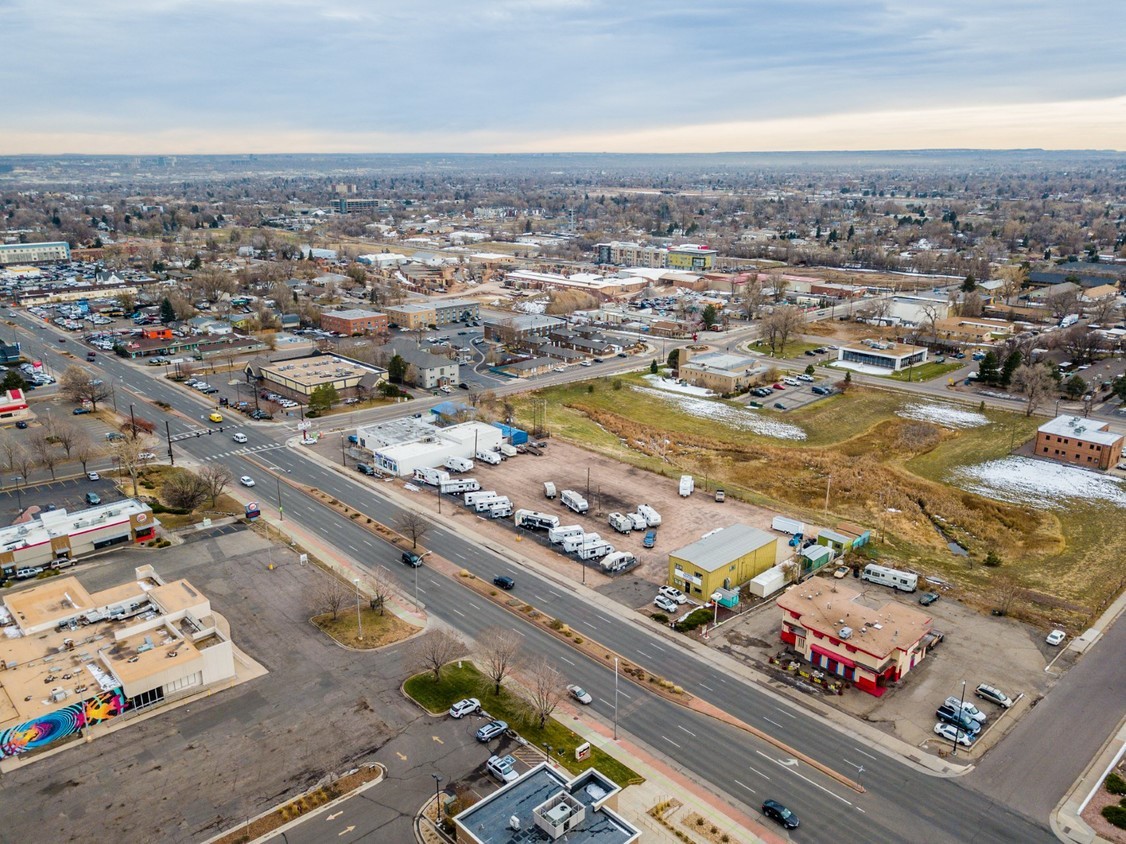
column 227, row 76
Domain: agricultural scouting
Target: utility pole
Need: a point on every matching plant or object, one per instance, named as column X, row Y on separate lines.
column 615, row 698
column 133, row 421
column 828, row 483
column 168, row 434
column 281, row 512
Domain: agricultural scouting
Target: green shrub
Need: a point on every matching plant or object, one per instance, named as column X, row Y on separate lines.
column 694, row 620
column 1114, row 783
column 660, row 617
column 1116, row 815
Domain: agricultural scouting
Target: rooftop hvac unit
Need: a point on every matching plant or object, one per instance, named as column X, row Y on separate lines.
column 846, row 632
column 514, row 822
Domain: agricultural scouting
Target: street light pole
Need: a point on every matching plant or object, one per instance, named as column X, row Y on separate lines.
column 615, row 698
column 342, row 460
column 281, row 512
column 359, row 621
column 958, row 726
column 437, row 795
column 19, row 497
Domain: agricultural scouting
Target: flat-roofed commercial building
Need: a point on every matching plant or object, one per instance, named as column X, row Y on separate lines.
column 412, row 315
column 75, row 659
column 351, row 321
column 301, row 376
column 869, row 646
column 691, row 256
column 447, row 311
column 1083, row 442
column 34, row 253
column 891, row 357
column 723, row 559
column 56, row 537
column 722, row 372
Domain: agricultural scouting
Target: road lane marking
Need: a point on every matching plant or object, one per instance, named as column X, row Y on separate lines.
column 784, row 712
column 685, row 730
column 760, row 773
column 869, row 755
column 706, row 686
column 540, row 598
column 786, row 765
column 744, row 786
column 775, row 723
column 644, row 654
column 670, row 741
column 334, row 815
column 567, row 661
column 658, row 647
column 588, row 624
column 459, row 612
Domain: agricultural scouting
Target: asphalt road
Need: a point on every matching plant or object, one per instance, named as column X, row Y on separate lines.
column 902, row 804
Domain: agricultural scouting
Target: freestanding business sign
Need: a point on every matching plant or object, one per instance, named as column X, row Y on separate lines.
column 252, row 511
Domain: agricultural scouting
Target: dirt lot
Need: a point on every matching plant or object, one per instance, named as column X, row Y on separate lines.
column 614, row 487
column 908, row 711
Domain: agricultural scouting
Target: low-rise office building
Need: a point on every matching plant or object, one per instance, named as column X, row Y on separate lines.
column 1082, row 442
column 352, row 321
column 836, row 633
column 890, row 357
column 544, row 805
column 412, row 315
column 299, row 377
column 34, row 253
column 75, row 660
column 721, row 372
column 516, row 329
column 723, row 559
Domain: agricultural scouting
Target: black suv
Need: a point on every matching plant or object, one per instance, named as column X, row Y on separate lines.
column 503, row 582
column 411, row 559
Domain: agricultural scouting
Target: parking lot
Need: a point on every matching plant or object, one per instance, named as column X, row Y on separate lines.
column 1000, row 652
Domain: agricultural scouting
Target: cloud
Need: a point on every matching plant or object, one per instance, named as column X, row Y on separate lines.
column 549, row 72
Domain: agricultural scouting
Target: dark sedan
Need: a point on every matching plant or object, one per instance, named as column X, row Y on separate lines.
column 777, row 812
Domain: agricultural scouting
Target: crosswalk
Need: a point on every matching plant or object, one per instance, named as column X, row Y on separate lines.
column 237, row 452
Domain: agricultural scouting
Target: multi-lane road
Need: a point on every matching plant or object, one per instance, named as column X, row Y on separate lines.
column 900, row 803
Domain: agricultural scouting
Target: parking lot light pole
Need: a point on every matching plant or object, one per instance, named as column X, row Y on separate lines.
column 615, row 698
column 19, row 497
column 437, row 795
column 961, row 715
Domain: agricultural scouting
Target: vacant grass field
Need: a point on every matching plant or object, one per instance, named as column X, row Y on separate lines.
column 888, row 473
column 926, row 372
column 372, row 630
column 462, row 679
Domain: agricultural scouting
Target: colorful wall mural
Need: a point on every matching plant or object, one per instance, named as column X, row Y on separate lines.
column 32, row 735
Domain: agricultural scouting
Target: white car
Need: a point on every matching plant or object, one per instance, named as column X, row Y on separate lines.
column 952, row 733
column 804, row 377
column 580, row 694
column 503, row 768
column 665, row 604
column 793, row 382
column 146, row 455
column 246, row 480
column 1056, row 637
column 673, row 594
column 465, row 707
column 93, row 476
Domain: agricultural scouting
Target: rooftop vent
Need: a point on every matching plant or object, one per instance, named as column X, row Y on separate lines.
column 846, row 632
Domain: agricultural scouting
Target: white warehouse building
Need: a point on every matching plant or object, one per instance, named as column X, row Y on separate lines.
column 401, row 449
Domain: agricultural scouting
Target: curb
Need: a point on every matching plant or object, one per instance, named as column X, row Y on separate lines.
column 1065, row 820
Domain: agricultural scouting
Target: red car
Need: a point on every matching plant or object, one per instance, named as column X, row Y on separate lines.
column 778, row 387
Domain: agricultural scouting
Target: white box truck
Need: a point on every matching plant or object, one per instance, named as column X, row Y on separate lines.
column 532, row 520
column 574, row 501
column 901, row 580
column 456, row 486
column 490, row 457
column 687, row 485
column 557, row 534
column 459, row 464
column 651, row 515
column 548, row 489
column 434, row 477
column 785, row 525
column 621, row 523
column 471, row 498
column 508, row 450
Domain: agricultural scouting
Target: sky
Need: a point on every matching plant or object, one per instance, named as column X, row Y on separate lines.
column 262, row 76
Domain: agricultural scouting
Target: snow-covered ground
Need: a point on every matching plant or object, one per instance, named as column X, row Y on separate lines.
column 946, row 415
column 673, row 386
column 862, row 368
column 1022, row 480
column 743, row 420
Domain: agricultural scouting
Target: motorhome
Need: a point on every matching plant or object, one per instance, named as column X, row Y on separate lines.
column 901, row 580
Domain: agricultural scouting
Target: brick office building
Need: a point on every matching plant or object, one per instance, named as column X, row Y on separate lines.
column 354, row 321
column 1083, row 442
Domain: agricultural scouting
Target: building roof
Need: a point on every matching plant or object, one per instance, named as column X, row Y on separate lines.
column 736, row 364
column 47, row 525
column 488, row 821
column 1078, row 428
column 726, row 544
column 320, row 369
column 878, row 630
column 352, row 313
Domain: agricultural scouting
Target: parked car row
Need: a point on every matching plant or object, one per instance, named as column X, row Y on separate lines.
column 961, row 721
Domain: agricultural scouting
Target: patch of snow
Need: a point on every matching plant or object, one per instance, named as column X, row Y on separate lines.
column 943, row 414
column 863, row 368
column 674, row 386
column 1022, row 480
column 726, row 415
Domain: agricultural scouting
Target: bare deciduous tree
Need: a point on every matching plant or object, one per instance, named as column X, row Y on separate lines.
column 412, row 525
column 78, row 385
column 1012, row 278
column 185, row 490
column 330, row 594
column 1063, row 302
column 1033, row 381
column 217, row 476
column 85, row 450
column 44, row 450
column 380, row 584
column 1081, row 343
column 434, row 650
column 499, row 653
column 546, row 688
column 779, row 326
column 22, row 462
column 66, row 435
column 127, row 452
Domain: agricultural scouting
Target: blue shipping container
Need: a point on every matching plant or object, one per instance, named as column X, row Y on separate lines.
column 512, row 435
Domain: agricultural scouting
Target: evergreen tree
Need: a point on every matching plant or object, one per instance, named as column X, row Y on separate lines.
column 1074, row 387
column 167, row 312
column 1011, row 363
column 970, row 284
column 396, row 369
column 987, row 372
column 653, row 367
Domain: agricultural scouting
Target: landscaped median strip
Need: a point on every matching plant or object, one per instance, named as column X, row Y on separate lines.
column 635, row 673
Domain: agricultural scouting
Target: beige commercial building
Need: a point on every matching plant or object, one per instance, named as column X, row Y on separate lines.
column 720, row 372
column 301, row 376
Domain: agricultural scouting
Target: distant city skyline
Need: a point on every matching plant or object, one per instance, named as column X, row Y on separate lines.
column 203, row 76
